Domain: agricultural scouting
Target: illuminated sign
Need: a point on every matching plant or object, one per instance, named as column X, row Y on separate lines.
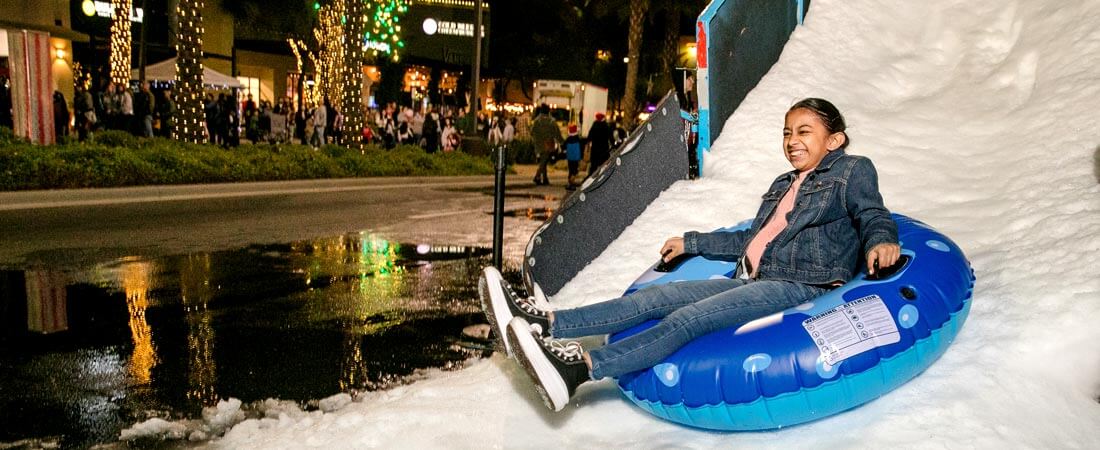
column 375, row 45
column 104, row 9
column 432, row 26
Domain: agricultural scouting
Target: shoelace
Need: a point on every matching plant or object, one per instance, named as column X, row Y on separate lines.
column 568, row 351
column 527, row 304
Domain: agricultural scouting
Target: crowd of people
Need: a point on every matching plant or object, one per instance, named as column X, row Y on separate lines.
column 115, row 107
column 148, row 113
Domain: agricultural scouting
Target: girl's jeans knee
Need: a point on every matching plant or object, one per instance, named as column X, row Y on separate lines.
column 686, row 310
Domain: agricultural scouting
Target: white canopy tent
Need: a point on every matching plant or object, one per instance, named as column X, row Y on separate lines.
column 165, row 72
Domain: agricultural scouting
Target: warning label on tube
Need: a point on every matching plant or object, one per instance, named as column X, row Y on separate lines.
column 852, row 328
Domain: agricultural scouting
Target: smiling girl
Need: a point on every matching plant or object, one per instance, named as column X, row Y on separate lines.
column 813, row 227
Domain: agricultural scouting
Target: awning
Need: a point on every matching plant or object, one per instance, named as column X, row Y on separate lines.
column 165, row 71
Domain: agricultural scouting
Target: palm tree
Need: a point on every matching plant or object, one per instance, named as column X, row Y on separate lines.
column 120, row 41
column 351, row 105
column 638, row 11
column 189, row 123
column 672, row 12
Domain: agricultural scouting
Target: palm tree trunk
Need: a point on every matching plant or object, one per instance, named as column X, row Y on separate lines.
column 189, row 93
column 352, row 103
column 638, row 10
column 670, row 51
column 120, row 42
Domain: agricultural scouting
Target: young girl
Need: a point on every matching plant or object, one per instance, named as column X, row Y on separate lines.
column 813, row 227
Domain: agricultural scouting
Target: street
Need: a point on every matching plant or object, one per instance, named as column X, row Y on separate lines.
column 73, row 227
column 303, row 288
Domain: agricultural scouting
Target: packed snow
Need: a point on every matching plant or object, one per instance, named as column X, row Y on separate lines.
column 981, row 119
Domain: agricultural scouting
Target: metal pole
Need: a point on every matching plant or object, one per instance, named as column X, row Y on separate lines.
column 475, row 103
column 141, row 51
column 498, row 209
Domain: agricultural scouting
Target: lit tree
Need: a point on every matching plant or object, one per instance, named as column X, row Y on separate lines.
column 328, row 60
column 351, row 105
column 189, row 71
column 345, row 31
column 383, row 35
column 120, row 41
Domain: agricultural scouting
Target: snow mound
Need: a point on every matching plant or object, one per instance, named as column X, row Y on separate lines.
column 981, row 118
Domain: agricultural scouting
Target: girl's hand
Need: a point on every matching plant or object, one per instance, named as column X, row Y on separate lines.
column 885, row 254
column 673, row 247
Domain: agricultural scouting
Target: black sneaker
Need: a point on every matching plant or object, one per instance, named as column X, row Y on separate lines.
column 556, row 367
column 500, row 303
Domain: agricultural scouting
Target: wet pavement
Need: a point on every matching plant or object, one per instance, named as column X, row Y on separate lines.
column 87, row 353
column 97, row 338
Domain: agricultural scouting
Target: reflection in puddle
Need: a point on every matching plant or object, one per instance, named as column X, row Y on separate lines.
column 86, row 353
column 537, row 214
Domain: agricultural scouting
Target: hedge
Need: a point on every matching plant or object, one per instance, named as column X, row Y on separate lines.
column 116, row 158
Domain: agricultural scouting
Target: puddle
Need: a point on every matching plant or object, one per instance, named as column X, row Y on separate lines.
column 87, row 352
column 513, row 193
column 539, row 214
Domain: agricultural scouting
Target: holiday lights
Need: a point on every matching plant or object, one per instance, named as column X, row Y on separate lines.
column 384, row 33
column 120, row 41
column 351, row 105
column 189, row 92
column 327, row 62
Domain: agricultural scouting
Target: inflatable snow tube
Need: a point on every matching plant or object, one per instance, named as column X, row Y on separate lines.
column 830, row 354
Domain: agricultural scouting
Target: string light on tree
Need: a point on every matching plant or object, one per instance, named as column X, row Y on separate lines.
column 384, row 33
column 328, row 61
column 351, row 105
column 189, row 92
column 120, row 41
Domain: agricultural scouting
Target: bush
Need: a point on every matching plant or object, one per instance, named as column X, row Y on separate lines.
column 119, row 159
column 7, row 136
column 114, row 138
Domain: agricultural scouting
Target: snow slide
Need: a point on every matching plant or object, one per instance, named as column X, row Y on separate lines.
column 982, row 120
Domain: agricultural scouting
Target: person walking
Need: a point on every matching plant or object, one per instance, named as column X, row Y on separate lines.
column 125, row 108
column 60, row 115
column 547, row 136
column 599, row 144
column 430, row 131
column 210, row 112
column 496, row 134
column 320, row 120
column 84, row 110
column 109, row 99
column 144, row 106
column 573, row 154
column 509, row 131
column 166, row 112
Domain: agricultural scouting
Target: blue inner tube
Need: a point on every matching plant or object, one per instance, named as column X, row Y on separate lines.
column 825, row 356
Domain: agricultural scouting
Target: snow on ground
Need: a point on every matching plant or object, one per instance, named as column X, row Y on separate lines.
column 981, row 118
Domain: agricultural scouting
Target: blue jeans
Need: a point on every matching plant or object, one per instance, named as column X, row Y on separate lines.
column 686, row 309
column 147, row 126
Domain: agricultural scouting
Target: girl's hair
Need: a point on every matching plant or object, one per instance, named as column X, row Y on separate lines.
column 829, row 115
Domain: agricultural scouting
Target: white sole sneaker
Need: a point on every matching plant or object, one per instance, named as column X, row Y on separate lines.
column 528, row 351
column 494, row 301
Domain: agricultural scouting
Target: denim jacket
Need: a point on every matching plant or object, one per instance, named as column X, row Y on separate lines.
column 837, row 218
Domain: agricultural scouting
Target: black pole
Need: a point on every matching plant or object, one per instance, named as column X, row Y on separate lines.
column 498, row 209
column 475, row 105
column 141, row 50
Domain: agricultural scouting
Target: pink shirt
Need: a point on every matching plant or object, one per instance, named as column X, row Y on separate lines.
column 774, row 225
